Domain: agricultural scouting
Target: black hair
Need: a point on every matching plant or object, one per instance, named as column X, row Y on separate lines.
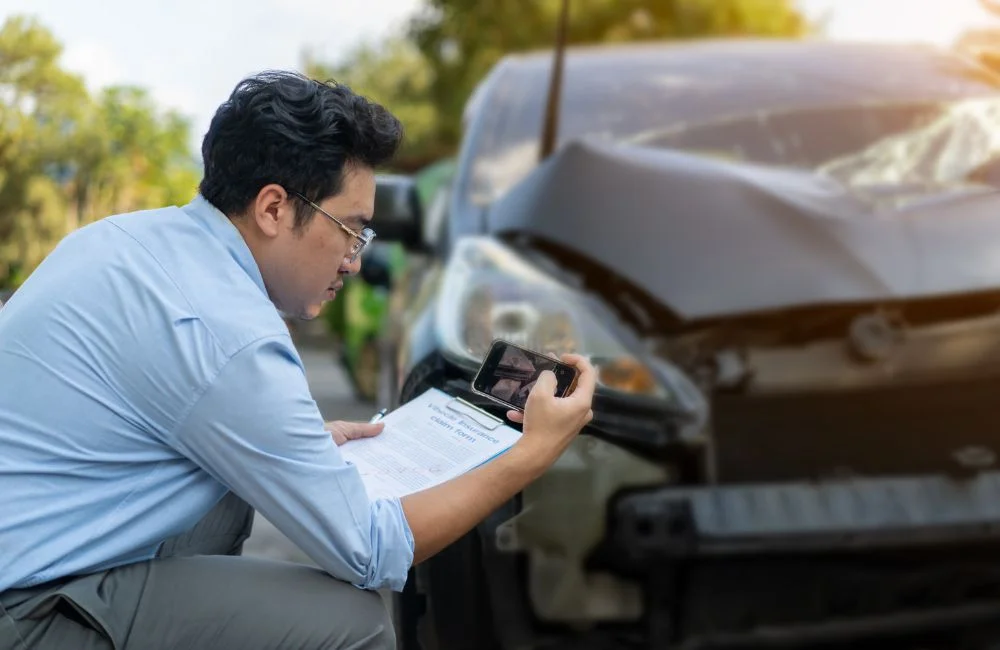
column 282, row 127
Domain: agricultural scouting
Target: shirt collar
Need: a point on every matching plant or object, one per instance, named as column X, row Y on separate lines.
column 223, row 229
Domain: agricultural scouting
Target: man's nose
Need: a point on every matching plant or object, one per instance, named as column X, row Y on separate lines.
column 347, row 267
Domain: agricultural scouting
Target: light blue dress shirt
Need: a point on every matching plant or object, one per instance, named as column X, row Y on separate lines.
column 144, row 372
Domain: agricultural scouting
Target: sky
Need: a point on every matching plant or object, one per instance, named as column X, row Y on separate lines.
column 190, row 53
column 927, row 21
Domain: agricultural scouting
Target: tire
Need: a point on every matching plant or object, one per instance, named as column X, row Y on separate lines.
column 458, row 612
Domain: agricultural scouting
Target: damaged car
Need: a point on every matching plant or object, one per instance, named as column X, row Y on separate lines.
column 784, row 258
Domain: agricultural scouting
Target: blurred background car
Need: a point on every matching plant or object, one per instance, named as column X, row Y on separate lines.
column 358, row 320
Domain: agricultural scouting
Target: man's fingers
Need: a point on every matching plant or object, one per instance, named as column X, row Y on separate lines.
column 515, row 416
column 355, row 430
column 587, row 382
column 366, row 430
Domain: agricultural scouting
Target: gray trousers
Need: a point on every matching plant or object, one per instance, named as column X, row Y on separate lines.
column 198, row 594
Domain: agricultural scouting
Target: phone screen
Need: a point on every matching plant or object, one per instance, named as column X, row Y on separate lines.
column 509, row 373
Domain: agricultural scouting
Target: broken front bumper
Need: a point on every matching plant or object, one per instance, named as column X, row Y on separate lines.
column 801, row 563
column 806, row 517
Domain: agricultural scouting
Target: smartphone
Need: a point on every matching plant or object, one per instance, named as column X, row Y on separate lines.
column 509, row 372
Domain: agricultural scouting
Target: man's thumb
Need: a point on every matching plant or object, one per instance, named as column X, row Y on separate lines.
column 364, row 430
column 546, row 384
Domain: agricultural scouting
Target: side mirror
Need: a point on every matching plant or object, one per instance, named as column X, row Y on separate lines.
column 376, row 270
column 398, row 215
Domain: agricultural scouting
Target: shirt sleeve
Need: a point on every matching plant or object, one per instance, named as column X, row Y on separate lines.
column 257, row 430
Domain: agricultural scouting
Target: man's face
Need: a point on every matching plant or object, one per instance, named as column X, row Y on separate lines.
column 304, row 269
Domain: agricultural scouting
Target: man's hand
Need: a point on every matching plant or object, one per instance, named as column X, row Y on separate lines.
column 550, row 422
column 344, row 431
column 441, row 514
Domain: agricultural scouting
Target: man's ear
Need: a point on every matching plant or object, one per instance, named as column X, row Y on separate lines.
column 271, row 210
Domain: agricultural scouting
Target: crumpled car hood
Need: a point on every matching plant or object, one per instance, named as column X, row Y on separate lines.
column 710, row 238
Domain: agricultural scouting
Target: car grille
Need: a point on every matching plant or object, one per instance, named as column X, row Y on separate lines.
column 952, row 426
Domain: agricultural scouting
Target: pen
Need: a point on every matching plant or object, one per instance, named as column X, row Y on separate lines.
column 378, row 416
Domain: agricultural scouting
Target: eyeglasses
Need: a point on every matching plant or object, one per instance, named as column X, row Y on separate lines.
column 361, row 239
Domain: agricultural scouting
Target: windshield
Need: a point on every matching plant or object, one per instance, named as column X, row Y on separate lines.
column 858, row 145
column 864, row 147
column 865, row 136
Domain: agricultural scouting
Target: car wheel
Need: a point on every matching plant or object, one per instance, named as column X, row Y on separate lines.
column 446, row 606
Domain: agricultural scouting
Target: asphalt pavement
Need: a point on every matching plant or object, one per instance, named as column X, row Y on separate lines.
column 332, row 391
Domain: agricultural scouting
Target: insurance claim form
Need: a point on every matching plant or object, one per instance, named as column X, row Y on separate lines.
column 427, row 441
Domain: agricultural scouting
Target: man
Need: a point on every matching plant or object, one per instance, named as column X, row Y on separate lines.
column 151, row 398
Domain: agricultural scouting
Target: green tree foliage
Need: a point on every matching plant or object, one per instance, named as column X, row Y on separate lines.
column 129, row 156
column 68, row 158
column 451, row 45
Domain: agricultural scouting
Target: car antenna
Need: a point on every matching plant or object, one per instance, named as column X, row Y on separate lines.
column 553, row 103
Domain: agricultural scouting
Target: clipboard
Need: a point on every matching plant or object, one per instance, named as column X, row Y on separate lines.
column 486, row 420
column 434, row 437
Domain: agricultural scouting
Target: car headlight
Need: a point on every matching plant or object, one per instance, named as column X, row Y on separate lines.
column 489, row 292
